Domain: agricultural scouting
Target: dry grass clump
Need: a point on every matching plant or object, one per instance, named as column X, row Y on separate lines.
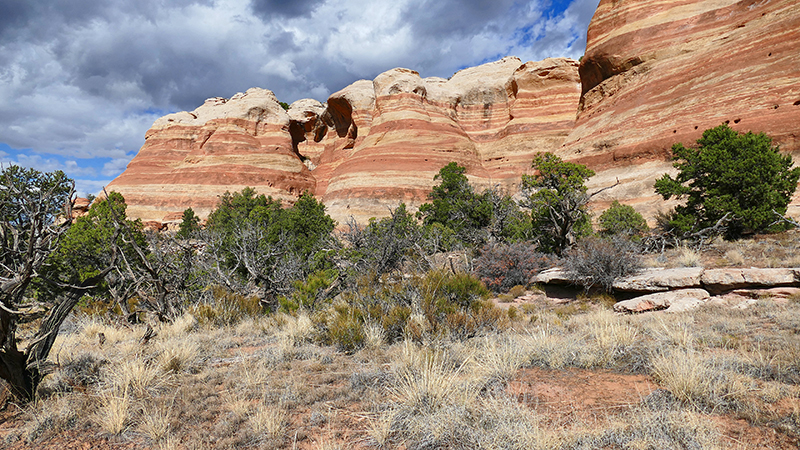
column 670, row 331
column 609, row 336
column 734, row 257
column 51, row 418
column 374, row 336
column 176, row 354
column 268, row 420
column 156, row 418
column 688, row 257
column 136, row 375
column 643, row 428
column 113, row 415
column 699, row 381
column 500, row 357
column 429, row 383
column 550, row 346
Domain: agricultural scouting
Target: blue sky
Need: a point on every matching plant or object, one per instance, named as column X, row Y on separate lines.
column 81, row 81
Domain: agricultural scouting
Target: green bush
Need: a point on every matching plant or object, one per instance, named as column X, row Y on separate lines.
column 226, row 308
column 621, row 219
column 472, row 217
column 451, row 305
column 452, row 290
column 384, row 245
column 739, row 177
column 455, row 204
column 253, row 242
column 343, row 327
column 456, row 305
column 310, row 293
column 190, row 224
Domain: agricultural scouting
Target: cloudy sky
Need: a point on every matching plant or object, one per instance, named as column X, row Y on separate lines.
column 82, row 80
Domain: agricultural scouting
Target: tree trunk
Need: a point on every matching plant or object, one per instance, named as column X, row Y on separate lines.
column 13, row 369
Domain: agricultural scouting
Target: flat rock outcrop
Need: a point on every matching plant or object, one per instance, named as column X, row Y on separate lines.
column 716, row 281
column 672, row 301
column 658, row 280
column 722, row 280
column 654, row 73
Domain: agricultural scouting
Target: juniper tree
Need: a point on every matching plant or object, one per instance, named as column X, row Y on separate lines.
column 741, row 178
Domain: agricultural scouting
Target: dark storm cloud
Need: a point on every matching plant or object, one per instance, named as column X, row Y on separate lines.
column 456, row 17
column 271, row 9
column 280, row 42
column 14, row 14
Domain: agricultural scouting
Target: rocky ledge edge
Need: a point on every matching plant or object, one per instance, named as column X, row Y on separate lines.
column 685, row 288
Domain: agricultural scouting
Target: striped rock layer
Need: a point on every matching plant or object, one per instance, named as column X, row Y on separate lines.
column 373, row 144
column 655, row 72
column 658, row 72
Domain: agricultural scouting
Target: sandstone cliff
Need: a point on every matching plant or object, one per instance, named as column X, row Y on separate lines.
column 660, row 72
column 371, row 146
column 654, row 73
column 190, row 158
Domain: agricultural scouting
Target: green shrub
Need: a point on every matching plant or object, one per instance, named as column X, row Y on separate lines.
column 309, row 293
column 383, row 245
column 456, row 305
column 453, row 290
column 452, row 305
column 621, row 219
column 226, row 308
column 557, row 196
column 255, row 242
column 343, row 327
column 190, row 224
column 455, row 204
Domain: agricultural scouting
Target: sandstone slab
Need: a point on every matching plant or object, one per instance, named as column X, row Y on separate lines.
column 724, row 280
column 659, row 279
column 672, row 301
column 556, row 275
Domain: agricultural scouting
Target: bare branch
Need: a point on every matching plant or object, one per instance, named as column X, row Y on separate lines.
column 605, row 188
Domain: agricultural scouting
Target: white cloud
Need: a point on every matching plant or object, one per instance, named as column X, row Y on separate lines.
column 47, row 164
column 84, row 188
column 115, row 166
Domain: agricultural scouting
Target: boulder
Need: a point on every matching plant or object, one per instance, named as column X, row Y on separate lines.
column 556, row 275
column 659, row 279
column 672, row 301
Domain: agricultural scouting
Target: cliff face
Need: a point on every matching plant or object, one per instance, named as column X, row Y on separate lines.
column 190, row 158
column 660, row 72
column 490, row 119
column 371, row 146
column 655, row 72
